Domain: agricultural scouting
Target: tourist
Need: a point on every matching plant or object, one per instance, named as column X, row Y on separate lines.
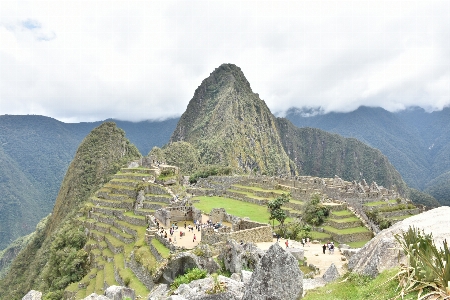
column 324, row 247
column 332, row 248
column 194, row 239
column 181, row 234
column 307, row 242
column 184, row 225
column 287, row 243
column 303, row 242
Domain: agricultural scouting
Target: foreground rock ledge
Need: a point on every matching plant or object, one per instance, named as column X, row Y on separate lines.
column 276, row 277
column 383, row 251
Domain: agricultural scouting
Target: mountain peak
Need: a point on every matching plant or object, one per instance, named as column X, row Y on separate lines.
column 231, row 125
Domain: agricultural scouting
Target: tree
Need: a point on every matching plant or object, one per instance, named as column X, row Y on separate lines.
column 314, row 211
column 276, row 213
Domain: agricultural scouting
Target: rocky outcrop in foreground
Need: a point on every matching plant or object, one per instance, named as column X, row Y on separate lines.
column 277, row 276
column 383, row 251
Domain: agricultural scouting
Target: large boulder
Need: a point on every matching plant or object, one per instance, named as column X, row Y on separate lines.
column 236, row 256
column 331, row 274
column 202, row 289
column 276, row 277
column 116, row 292
column 181, row 262
column 383, row 251
column 33, row 295
column 94, row 296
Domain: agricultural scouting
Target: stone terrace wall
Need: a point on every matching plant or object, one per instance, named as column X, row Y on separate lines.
column 168, row 215
column 253, row 235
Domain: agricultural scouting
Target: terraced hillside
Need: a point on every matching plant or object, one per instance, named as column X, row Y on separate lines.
column 116, row 222
column 249, row 195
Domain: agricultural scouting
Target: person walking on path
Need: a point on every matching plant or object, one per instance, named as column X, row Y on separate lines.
column 194, row 239
column 287, row 243
column 324, row 247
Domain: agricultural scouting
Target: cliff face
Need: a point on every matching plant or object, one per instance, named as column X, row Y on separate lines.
column 230, row 125
column 318, row 153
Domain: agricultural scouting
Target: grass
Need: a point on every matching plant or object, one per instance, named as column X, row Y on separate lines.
column 234, row 207
column 248, row 194
column 357, row 244
column 377, row 203
column 347, row 230
column 131, row 214
column 259, row 189
column 135, row 283
column 341, row 213
column 316, row 235
column 163, row 250
column 109, row 274
column 345, row 220
column 99, row 282
column 357, row 287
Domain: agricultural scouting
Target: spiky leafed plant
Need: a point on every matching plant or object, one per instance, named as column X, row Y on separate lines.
column 428, row 269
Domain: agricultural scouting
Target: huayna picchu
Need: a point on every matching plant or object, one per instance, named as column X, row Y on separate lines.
column 233, row 184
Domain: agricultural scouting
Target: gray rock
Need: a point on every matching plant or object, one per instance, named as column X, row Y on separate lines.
column 331, row 274
column 246, row 276
column 298, row 253
column 158, row 292
column 116, row 292
column 383, row 251
column 94, row 296
column 198, row 289
column 33, row 295
column 236, row 276
column 276, row 277
column 236, row 256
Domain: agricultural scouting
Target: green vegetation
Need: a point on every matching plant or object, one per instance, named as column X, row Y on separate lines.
column 190, row 275
column 276, row 213
column 314, row 212
column 237, row 208
column 209, row 171
column 428, row 267
column 103, row 152
column 163, row 250
column 356, row 287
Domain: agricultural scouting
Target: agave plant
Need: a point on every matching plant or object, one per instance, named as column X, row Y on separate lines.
column 428, row 269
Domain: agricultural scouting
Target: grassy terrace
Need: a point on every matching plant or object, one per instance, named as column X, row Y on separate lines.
column 377, row 203
column 258, row 189
column 347, row 230
column 341, row 213
column 249, row 194
column 238, row 208
column 163, row 250
column 350, row 219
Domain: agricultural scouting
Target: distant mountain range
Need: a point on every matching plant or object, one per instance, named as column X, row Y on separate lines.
column 416, row 142
column 35, row 151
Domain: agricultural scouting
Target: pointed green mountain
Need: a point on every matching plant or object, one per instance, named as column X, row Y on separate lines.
column 231, row 126
column 100, row 155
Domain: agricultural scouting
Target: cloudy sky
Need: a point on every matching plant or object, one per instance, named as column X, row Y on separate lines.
column 78, row 60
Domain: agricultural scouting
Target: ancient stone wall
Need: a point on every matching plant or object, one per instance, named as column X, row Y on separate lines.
column 253, row 235
column 140, row 271
column 168, row 215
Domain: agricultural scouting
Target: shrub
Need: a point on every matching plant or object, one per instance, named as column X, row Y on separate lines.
column 190, row 275
column 315, row 212
column 428, row 267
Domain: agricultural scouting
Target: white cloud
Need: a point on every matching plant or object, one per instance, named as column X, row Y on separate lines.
column 134, row 60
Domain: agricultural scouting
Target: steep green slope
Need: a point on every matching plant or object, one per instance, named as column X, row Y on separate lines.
column 20, row 201
column 319, row 153
column 100, row 155
column 380, row 129
column 231, row 126
column 35, row 152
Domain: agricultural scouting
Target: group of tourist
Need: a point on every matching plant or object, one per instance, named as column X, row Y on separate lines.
column 329, row 246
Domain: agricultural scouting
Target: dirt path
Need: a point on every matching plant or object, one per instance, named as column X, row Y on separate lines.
column 314, row 255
